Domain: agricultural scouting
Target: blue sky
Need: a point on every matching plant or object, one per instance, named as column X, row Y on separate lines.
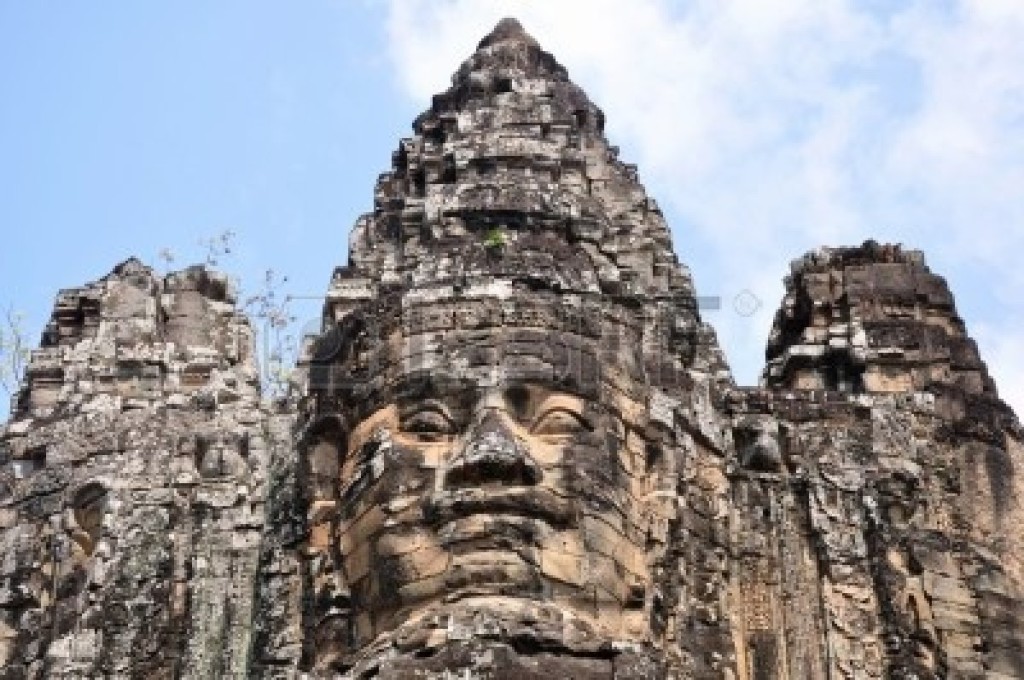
column 126, row 128
column 763, row 127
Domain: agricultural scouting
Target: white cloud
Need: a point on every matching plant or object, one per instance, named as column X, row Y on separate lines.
column 769, row 127
column 1001, row 348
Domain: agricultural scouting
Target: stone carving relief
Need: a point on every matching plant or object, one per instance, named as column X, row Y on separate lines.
column 499, row 473
column 517, row 450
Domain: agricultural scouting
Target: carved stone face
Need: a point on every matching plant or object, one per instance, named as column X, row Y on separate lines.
column 498, row 467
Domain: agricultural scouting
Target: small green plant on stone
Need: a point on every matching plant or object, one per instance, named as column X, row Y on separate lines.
column 494, row 239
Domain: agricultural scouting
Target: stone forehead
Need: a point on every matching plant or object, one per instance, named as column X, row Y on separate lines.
column 589, row 317
column 394, row 339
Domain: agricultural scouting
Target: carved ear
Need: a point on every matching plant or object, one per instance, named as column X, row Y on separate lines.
column 326, row 612
column 321, row 453
column 659, row 444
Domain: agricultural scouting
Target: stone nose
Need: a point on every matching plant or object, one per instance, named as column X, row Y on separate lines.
column 493, row 455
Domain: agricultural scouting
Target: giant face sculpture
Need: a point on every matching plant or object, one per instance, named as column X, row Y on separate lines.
column 489, row 462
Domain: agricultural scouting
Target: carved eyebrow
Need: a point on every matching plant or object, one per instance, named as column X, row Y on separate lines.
column 428, row 386
column 561, row 403
column 428, row 406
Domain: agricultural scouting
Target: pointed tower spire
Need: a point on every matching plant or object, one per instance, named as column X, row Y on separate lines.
column 509, row 178
column 508, row 30
column 515, row 152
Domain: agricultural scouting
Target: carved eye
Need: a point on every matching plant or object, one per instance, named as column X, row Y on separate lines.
column 428, row 425
column 559, row 422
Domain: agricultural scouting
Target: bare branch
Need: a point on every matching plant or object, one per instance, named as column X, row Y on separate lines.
column 218, row 246
column 280, row 349
column 14, row 351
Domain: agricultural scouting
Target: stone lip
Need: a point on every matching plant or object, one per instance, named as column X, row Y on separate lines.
column 507, row 30
column 530, row 502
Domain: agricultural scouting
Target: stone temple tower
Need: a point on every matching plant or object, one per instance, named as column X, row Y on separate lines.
column 517, row 451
